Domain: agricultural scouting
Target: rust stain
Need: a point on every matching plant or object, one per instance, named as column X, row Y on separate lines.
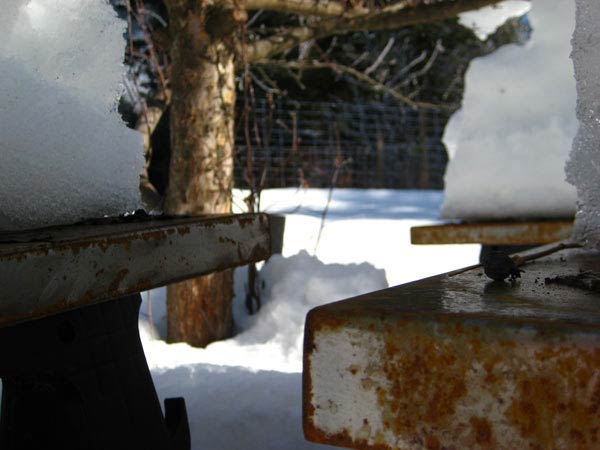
column 308, row 409
column 225, row 239
column 158, row 235
column 432, row 443
column 482, row 430
column 331, row 322
column 343, row 439
column 493, row 233
column 426, row 382
column 561, row 402
column 106, row 242
column 545, row 383
column 353, row 369
column 182, row 231
column 114, row 285
column 246, row 221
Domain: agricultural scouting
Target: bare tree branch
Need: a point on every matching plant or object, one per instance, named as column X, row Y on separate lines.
column 402, row 13
column 439, row 48
column 264, row 48
column 394, row 16
column 375, row 85
column 323, row 8
column 381, row 56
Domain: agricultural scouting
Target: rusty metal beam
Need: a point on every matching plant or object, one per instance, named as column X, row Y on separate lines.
column 459, row 363
column 493, row 233
column 48, row 271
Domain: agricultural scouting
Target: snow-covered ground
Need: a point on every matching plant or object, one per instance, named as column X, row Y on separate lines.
column 244, row 393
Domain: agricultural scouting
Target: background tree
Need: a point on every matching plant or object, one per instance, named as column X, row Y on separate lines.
column 208, row 41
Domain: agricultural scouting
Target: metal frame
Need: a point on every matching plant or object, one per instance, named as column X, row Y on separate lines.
column 458, row 361
column 72, row 364
column 48, row 271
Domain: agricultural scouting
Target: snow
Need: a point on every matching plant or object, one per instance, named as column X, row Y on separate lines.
column 509, row 142
column 245, row 392
column 66, row 154
column 583, row 168
column 484, row 21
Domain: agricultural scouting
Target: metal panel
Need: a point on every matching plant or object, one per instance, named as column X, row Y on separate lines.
column 47, row 271
column 494, row 233
column 459, row 362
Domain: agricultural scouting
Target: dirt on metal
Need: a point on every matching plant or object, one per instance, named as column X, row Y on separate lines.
column 588, row 281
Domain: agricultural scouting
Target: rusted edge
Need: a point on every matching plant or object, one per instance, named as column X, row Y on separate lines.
column 328, row 319
column 111, row 234
column 311, row 432
column 493, row 233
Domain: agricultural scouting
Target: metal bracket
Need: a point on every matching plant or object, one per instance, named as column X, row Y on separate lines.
column 79, row 380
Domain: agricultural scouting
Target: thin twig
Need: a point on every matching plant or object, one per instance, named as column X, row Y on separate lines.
column 381, row 56
column 259, row 82
column 254, row 17
column 408, row 67
column 528, row 256
column 336, row 173
column 148, row 38
column 439, row 48
column 533, row 255
column 360, row 59
column 272, row 85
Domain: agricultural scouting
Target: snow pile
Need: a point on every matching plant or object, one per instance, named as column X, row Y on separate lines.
column 367, row 225
column 271, row 340
column 510, row 141
column 65, row 152
column 583, row 168
column 486, row 20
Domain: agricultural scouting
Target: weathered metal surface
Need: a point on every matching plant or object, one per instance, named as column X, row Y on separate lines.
column 493, row 233
column 458, row 363
column 48, row 271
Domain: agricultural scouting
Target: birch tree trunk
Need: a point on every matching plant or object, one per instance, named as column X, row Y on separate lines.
column 201, row 168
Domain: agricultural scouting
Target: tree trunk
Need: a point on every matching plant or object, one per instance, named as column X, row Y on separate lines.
column 201, row 168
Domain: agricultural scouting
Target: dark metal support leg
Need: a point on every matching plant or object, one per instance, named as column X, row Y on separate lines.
column 79, row 380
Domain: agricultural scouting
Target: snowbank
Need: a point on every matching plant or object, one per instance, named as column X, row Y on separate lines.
column 65, row 152
column 271, row 340
column 509, row 143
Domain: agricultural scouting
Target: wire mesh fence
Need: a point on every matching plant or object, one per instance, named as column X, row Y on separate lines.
column 289, row 143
